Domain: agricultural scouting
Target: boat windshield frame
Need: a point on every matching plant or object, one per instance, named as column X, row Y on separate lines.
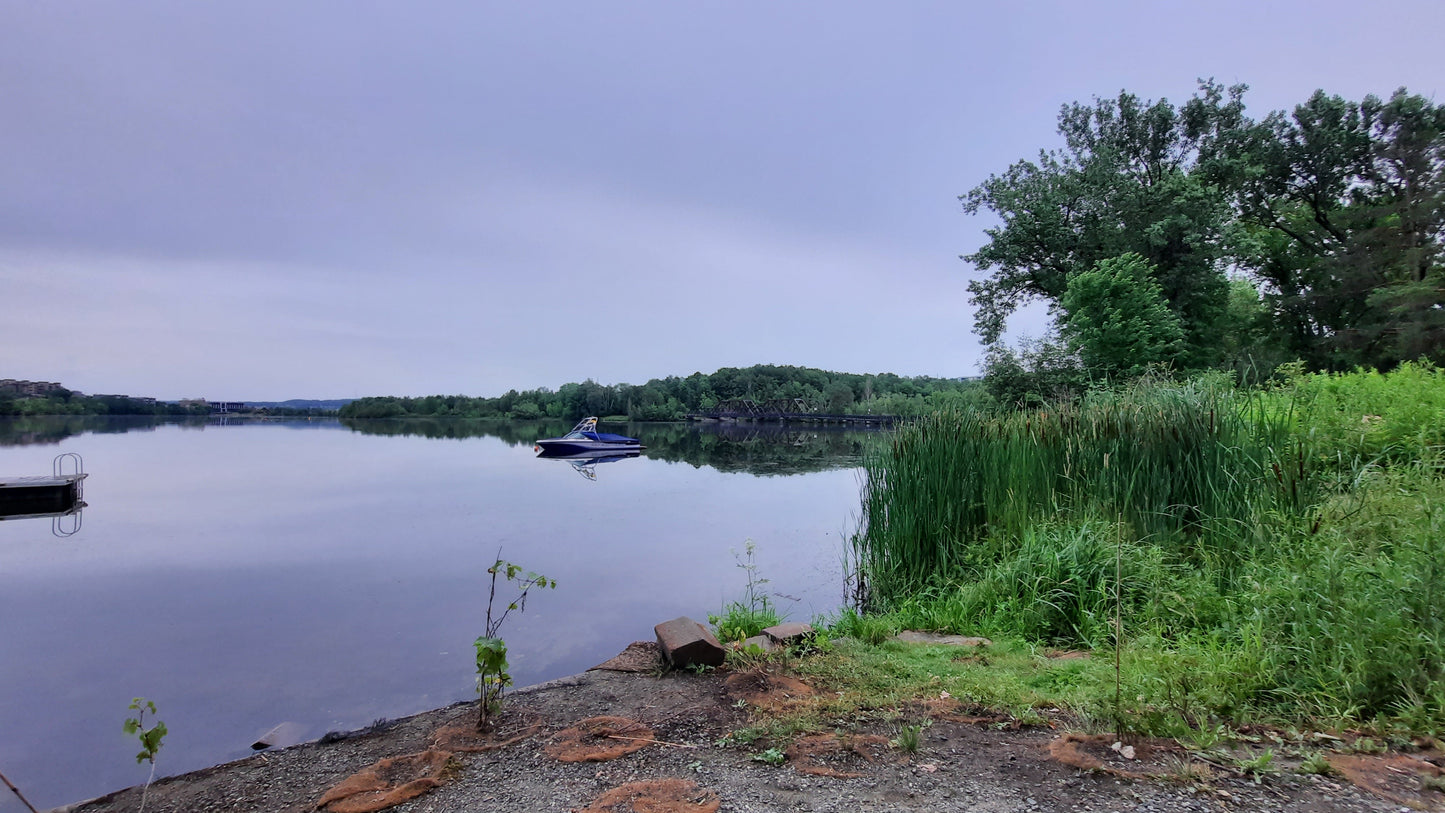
column 586, row 428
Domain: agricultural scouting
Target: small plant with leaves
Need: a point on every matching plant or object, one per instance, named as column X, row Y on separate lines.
column 771, row 756
column 756, row 612
column 1260, row 766
column 1316, row 762
column 150, row 738
column 747, row 657
column 742, row 736
column 492, row 675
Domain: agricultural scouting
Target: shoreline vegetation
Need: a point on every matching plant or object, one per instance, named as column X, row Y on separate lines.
column 1274, row 555
column 673, row 397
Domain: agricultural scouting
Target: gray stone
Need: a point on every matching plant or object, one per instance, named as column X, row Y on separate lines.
column 916, row 637
column 762, row 642
column 685, row 642
column 789, row 633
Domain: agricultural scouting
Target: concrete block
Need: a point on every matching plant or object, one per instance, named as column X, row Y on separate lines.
column 685, row 642
column 789, row 633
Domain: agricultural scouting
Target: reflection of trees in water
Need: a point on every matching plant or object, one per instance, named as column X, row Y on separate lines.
column 755, row 448
column 762, row 449
column 40, row 430
column 513, row 433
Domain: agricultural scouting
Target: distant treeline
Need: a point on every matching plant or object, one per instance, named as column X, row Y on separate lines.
column 671, row 398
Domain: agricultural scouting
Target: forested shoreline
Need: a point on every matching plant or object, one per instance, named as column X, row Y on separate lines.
column 673, row 397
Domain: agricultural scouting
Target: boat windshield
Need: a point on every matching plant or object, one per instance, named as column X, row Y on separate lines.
column 587, row 428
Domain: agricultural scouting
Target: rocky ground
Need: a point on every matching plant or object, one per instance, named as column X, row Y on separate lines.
column 670, row 734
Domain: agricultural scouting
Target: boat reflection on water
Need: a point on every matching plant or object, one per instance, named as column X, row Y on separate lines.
column 586, row 464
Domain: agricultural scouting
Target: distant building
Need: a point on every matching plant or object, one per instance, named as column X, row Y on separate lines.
column 228, row 406
column 32, row 389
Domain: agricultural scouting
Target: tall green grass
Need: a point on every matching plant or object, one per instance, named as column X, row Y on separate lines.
column 1189, row 467
column 1276, row 553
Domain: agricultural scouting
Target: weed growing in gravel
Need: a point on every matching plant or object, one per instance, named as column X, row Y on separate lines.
column 907, row 739
column 1259, row 766
column 772, row 756
column 492, row 675
column 1316, row 763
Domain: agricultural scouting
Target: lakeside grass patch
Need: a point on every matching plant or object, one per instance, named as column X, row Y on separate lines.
column 1272, row 555
column 896, row 681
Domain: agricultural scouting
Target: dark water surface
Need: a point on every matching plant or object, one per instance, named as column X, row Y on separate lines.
column 248, row 574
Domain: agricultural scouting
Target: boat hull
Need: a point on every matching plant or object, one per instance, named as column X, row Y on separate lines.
column 560, row 448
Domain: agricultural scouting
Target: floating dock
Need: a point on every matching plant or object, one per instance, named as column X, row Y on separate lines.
column 27, row 497
column 57, row 495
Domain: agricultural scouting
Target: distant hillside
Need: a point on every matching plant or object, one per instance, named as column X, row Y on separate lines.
column 303, row 403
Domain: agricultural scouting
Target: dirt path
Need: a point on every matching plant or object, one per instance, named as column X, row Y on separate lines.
column 961, row 763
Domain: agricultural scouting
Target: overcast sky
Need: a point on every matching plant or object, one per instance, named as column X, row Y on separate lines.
column 249, row 200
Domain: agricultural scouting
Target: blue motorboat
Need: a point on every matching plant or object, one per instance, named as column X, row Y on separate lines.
column 584, row 439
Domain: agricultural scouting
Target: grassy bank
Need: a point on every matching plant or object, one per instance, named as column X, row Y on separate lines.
column 1275, row 554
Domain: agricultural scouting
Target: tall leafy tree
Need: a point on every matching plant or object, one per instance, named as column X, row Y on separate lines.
column 1336, row 209
column 1125, row 182
column 1116, row 319
column 1343, row 211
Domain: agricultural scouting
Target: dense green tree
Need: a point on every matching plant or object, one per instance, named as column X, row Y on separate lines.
column 1341, row 209
column 1038, row 372
column 1125, row 182
column 1336, row 209
column 837, row 398
column 1115, row 317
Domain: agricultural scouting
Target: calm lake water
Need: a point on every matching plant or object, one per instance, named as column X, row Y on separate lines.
column 253, row 573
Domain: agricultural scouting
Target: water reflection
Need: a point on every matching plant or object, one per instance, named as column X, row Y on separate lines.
column 246, row 574
column 751, row 448
column 586, row 464
column 39, row 430
column 760, row 449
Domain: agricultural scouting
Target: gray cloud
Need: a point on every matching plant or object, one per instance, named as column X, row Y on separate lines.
column 328, row 199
